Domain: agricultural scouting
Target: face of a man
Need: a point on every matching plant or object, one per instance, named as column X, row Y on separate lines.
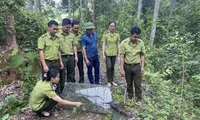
column 75, row 28
column 53, row 29
column 112, row 27
column 134, row 37
column 90, row 31
column 66, row 28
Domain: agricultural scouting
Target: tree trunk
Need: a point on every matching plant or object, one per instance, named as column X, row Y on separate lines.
column 69, row 8
column 30, row 5
column 155, row 16
column 139, row 12
column 39, row 6
column 36, row 5
column 172, row 6
column 81, row 12
column 87, row 10
column 11, row 41
column 94, row 13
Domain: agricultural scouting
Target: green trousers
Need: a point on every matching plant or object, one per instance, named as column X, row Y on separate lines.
column 80, row 67
column 110, row 67
column 67, row 74
column 53, row 64
column 133, row 75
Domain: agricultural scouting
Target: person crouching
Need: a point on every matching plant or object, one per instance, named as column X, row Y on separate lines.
column 43, row 97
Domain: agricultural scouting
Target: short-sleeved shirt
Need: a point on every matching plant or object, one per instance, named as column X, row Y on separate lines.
column 78, row 39
column 50, row 46
column 40, row 92
column 67, row 42
column 111, row 43
column 90, row 42
column 132, row 51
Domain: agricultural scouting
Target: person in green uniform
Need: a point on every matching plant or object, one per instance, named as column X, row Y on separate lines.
column 78, row 35
column 110, row 50
column 68, row 51
column 43, row 97
column 132, row 51
column 49, row 49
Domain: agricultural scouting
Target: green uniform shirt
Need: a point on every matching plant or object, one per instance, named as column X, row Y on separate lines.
column 67, row 43
column 40, row 92
column 50, row 46
column 111, row 41
column 78, row 39
column 132, row 51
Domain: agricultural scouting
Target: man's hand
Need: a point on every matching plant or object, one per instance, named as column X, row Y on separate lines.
column 87, row 62
column 45, row 68
column 76, row 59
column 104, row 58
column 61, row 65
column 142, row 70
column 122, row 72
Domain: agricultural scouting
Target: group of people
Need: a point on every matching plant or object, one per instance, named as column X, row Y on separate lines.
column 61, row 50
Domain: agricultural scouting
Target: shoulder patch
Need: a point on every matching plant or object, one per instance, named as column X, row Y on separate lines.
column 44, row 35
column 116, row 32
column 80, row 32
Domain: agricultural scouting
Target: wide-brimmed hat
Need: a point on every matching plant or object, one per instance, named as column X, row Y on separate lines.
column 89, row 25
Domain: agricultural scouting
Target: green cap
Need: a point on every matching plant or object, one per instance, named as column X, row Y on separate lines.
column 89, row 25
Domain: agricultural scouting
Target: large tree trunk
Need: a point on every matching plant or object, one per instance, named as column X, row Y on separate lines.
column 10, row 35
column 139, row 12
column 155, row 16
column 94, row 13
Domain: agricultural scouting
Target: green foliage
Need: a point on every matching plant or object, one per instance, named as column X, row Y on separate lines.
column 74, row 111
column 118, row 95
column 29, row 25
column 31, row 56
column 16, row 61
column 9, row 105
column 162, row 102
column 5, row 117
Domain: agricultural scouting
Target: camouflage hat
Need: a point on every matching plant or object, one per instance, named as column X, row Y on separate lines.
column 89, row 25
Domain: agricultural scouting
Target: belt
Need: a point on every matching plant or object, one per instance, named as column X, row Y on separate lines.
column 51, row 60
column 67, row 55
column 133, row 64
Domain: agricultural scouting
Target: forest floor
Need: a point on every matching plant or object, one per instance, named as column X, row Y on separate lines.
column 59, row 113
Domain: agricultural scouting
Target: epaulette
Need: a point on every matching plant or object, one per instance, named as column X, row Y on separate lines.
column 116, row 32
column 80, row 32
column 44, row 35
column 106, row 32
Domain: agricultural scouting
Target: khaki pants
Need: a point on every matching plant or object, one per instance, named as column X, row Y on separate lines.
column 133, row 75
